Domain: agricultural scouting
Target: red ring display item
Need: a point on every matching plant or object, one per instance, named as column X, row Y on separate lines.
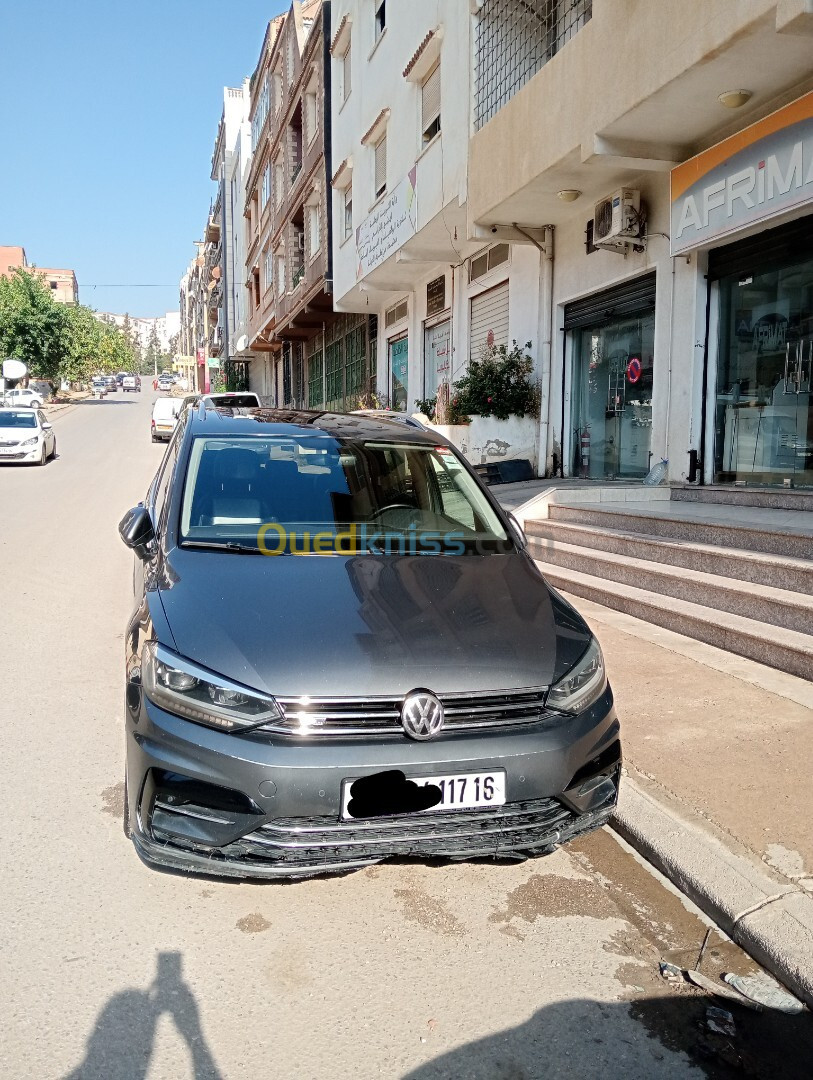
column 634, row 370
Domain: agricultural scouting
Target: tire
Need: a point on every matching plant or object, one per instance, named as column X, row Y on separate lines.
column 43, row 455
column 153, row 438
column 53, row 452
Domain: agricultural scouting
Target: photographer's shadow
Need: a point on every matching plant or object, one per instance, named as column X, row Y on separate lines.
column 121, row 1044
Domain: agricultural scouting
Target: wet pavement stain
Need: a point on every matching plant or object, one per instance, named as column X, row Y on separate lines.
column 552, row 896
column 429, row 912
column 253, row 924
column 113, row 800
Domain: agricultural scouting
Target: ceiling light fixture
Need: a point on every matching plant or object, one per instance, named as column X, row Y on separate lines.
column 568, row 194
column 734, row 99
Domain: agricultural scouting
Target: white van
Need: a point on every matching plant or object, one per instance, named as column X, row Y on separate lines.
column 164, row 418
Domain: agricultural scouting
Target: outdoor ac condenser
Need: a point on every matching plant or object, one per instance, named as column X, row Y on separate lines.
column 616, row 220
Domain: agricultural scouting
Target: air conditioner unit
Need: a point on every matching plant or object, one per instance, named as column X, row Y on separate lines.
column 300, row 237
column 617, row 220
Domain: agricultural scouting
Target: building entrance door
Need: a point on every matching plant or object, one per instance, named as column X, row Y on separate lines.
column 763, row 418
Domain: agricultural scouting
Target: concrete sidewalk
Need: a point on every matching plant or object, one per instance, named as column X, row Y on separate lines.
column 718, row 756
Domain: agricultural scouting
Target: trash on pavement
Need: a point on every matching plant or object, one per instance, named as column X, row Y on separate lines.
column 720, row 1021
column 721, row 990
column 671, row 973
column 762, row 988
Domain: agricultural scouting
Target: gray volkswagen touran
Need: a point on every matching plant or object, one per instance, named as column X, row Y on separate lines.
column 341, row 652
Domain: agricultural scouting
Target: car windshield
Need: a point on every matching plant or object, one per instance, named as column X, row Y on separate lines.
column 321, row 495
column 18, row 419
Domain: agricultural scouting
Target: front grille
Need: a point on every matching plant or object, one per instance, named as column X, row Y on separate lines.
column 322, row 842
column 382, row 715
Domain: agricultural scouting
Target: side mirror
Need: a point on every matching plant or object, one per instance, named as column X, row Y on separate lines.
column 47, row 427
column 136, row 530
column 519, row 532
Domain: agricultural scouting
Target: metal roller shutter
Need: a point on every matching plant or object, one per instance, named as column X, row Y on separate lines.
column 604, row 307
column 489, row 313
column 765, row 251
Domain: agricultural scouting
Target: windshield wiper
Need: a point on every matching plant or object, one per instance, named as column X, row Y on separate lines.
column 226, row 545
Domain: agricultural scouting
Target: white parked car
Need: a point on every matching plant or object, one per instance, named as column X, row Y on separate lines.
column 26, row 436
column 24, row 396
column 164, row 418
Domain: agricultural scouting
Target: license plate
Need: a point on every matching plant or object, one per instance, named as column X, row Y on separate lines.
column 460, row 791
column 9, row 450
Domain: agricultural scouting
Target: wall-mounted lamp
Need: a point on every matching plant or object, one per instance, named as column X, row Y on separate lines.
column 735, row 99
column 568, row 194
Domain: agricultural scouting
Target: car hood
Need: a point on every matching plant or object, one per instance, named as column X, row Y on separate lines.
column 363, row 625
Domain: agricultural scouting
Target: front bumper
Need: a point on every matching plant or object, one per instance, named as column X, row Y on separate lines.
column 21, row 455
column 240, row 806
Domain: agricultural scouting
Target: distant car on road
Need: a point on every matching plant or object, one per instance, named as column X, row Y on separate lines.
column 26, row 436
column 131, row 383
column 24, row 396
column 238, row 399
column 112, row 385
column 164, row 418
column 165, row 382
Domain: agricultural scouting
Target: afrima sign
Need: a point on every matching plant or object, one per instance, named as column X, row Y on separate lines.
column 756, row 174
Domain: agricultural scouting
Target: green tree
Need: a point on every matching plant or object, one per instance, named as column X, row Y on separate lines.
column 32, row 327
column 57, row 341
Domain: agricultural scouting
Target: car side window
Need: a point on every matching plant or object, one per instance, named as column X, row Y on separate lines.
column 161, row 490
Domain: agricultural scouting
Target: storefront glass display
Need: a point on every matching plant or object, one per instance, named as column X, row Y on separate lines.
column 399, row 356
column 763, row 419
column 612, row 398
column 437, row 356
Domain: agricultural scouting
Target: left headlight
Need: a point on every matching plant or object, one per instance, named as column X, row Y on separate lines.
column 30, row 442
column 583, row 684
column 183, row 688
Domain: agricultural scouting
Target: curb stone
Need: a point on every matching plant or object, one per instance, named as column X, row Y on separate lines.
column 771, row 920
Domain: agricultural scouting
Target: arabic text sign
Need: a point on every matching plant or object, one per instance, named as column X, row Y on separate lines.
column 388, row 227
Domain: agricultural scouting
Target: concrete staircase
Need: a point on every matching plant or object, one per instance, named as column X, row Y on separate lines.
column 735, row 574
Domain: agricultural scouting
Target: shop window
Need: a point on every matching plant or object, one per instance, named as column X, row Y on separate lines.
column 612, row 397
column 763, row 415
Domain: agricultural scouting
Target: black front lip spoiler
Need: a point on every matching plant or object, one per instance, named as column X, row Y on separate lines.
column 170, row 857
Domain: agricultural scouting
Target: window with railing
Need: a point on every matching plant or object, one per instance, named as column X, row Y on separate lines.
column 514, row 39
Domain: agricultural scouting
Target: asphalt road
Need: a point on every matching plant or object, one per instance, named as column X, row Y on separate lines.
column 110, row 970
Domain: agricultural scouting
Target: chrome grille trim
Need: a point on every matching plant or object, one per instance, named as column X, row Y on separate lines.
column 378, row 715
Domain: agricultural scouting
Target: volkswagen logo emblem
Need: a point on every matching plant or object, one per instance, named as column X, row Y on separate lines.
column 421, row 715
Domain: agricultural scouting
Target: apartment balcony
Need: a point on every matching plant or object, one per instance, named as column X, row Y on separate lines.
column 580, row 95
column 212, row 232
column 215, row 300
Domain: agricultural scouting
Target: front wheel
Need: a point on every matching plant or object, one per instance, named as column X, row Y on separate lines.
column 43, row 455
column 53, row 450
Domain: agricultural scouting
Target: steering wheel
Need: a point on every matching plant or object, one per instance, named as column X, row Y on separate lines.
column 391, row 506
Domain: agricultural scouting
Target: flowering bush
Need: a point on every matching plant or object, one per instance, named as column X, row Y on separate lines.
column 497, row 384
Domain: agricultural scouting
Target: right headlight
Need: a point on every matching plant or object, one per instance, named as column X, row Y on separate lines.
column 184, row 688
column 583, row 684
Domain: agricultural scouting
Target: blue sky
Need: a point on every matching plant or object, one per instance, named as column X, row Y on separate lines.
column 108, row 117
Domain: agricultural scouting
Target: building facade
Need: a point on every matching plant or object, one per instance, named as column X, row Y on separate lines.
column 400, row 119
column 62, row 283
column 311, row 357
column 675, row 312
